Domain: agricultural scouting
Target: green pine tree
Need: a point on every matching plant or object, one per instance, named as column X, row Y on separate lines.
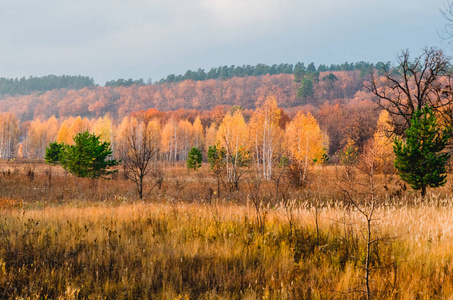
column 53, row 152
column 421, row 160
column 88, row 157
column 194, row 159
column 216, row 160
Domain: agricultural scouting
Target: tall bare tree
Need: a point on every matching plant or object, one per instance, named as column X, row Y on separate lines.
column 447, row 13
column 139, row 145
column 425, row 80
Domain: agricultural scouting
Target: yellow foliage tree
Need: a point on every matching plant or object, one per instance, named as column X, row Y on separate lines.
column 185, row 138
column 232, row 134
column 37, row 139
column 383, row 144
column 211, row 134
column 79, row 125
column 52, row 129
column 170, row 139
column 63, row 135
column 103, row 127
column 305, row 144
column 198, row 134
column 9, row 135
column 265, row 136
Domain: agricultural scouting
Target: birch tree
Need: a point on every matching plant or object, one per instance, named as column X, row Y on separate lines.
column 9, row 135
column 265, row 136
column 232, row 134
column 305, row 144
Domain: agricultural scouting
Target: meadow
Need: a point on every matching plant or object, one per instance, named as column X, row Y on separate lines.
column 63, row 237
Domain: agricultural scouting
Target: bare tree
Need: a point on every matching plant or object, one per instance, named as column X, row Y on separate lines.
column 360, row 189
column 366, row 209
column 412, row 85
column 139, row 146
column 447, row 13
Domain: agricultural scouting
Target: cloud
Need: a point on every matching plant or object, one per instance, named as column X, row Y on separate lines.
column 239, row 13
column 144, row 38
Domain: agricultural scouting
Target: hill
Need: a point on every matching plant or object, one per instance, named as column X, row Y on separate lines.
column 96, row 101
column 25, row 86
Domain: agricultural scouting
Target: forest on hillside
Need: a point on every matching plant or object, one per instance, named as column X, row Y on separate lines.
column 299, row 69
column 247, row 92
column 33, row 85
column 25, row 86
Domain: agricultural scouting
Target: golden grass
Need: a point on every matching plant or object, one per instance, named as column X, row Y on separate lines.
column 93, row 239
column 214, row 251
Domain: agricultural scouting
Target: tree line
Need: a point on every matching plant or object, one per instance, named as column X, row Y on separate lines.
column 24, row 86
column 94, row 102
column 123, row 82
column 227, row 72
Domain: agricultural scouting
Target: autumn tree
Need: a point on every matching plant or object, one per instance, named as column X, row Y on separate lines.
column 39, row 135
column 184, row 128
column 382, row 144
column 78, row 126
column 9, row 135
column 198, row 134
column 103, row 127
column 232, row 134
column 63, row 135
column 211, row 134
column 139, row 144
column 265, row 136
column 359, row 125
column 305, row 145
column 170, row 139
column 36, row 139
column 331, row 119
column 349, row 154
column 106, row 130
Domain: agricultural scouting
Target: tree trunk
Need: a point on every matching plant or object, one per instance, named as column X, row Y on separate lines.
column 423, row 191
column 140, row 188
column 218, row 185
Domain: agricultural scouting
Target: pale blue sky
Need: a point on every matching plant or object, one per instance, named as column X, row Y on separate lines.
column 111, row 39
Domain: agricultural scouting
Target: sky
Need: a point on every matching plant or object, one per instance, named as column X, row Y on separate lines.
column 149, row 39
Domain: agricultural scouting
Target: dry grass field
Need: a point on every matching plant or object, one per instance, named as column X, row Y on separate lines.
column 71, row 238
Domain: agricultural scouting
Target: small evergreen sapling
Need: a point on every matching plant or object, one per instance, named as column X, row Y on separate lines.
column 88, row 157
column 216, row 160
column 53, row 153
column 194, row 159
